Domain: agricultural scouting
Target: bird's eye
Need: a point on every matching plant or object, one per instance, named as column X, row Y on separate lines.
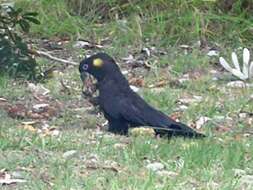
column 85, row 67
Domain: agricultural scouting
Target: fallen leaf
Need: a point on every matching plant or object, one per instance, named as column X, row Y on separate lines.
column 49, row 131
column 221, row 128
column 3, row 100
column 29, row 122
column 17, row 111
column 29, row 128
column 161, row 83
column 137, row 82
column 176, row 116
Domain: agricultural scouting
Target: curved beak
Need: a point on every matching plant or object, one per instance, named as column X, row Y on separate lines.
column 83, row 76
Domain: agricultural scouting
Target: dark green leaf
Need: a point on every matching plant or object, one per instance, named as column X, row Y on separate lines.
column 32, row 19
column 31, row 14
column 25, row 26
column 19, row 10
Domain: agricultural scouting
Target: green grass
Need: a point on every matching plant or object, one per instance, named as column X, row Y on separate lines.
column 163, row 23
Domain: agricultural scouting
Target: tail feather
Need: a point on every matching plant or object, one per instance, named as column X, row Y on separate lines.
column 178, row 129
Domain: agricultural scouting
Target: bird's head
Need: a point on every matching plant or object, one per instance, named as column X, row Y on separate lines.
column 98, row 65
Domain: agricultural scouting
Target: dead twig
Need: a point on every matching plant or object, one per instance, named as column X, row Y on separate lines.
column 93, row 167
column 48, row 56
column 65, row 87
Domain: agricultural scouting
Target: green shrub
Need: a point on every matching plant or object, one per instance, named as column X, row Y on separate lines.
column 14, row 54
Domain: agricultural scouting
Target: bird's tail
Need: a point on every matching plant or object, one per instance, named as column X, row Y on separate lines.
column 178, row 129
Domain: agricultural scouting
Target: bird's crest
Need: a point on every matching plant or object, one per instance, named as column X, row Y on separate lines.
column 98, row 62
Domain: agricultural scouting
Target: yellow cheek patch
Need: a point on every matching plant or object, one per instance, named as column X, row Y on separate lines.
column 98, row 62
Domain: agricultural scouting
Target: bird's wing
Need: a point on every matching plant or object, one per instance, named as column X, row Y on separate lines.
column 135, row 110
column 138, row 113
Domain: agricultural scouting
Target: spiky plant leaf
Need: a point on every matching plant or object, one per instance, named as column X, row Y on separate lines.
column 225, row 64
column 251, row 70
column 246, row 57
column 235, row 61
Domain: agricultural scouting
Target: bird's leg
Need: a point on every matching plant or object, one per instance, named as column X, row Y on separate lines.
column 118, row 127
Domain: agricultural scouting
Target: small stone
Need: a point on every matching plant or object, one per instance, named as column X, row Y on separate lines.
column 69, row 154
column 81, row 44
column 156, row 166
column 185, row 78
column 246, row 180
column 243, row 115
column 181, row 108
column 236, row 84
column 147, row 51
column 55, row 133
column 201, row 121
column 39, row 108
column 239, row 172
column 213, row 53
column 119, row 146
column 165, row 173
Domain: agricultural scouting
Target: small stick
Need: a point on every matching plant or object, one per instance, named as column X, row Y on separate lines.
column 47, row 55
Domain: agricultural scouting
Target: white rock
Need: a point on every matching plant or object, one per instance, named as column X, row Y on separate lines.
column 213, row 53
column 184, row 46
column 201, row 121
column 236, row 84
column 243, row 115
column 38, row 108
column 185, row 78
column 69, row 153
column 147, row 51
column 239, row 172
column 246, row 180
column 156, row 166
column 165, row 173
column 55, row 133
column 182, row 107
column 81, row 44
column 119, row 146
column 194, row 99
column 129, row 59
